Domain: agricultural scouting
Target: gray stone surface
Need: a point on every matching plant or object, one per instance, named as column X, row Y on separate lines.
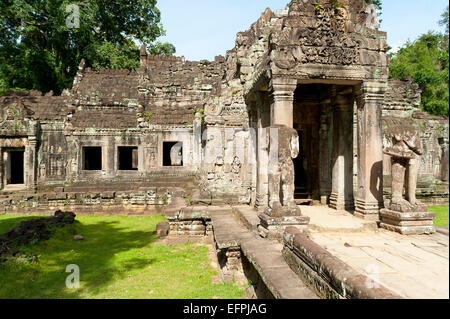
column 411, row 266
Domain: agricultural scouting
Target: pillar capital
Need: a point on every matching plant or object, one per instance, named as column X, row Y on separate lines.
column 282, row 101
column 283, row 86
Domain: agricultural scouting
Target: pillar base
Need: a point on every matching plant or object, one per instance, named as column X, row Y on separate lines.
column 410, row 223
column 368, row 210
column 274, row 227
column 339, row 203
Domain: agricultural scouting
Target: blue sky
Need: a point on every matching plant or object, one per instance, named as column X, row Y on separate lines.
column 202, row 29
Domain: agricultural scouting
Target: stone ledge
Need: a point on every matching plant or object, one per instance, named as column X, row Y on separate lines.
column 326, row 274
column 274, row 227
column 442, row 230
column 408, row 223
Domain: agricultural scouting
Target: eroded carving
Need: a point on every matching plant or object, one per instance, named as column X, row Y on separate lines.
column 283, row 146
column 405, row 150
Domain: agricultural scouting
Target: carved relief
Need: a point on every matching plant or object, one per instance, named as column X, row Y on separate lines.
column 326, row 43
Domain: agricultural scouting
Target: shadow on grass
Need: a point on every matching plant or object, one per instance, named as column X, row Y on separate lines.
column 108, row 252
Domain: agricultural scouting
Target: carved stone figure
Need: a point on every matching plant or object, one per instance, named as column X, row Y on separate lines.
column 406, row 216
column 176, row 156
column 284, row 146
column 236, row 166
column 405, row 151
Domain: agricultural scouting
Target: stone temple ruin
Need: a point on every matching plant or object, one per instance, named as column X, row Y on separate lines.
column 314, row 70
column 177, row 132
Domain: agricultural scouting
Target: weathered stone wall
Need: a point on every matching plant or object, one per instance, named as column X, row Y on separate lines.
column 217, row 109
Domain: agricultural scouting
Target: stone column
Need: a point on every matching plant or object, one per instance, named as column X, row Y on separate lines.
column 325, row 150
column 262, row 157
column 342, row 157
column 282, row 101
column 444, row 160
column 31, row 163
column 369, row 201
column 1, row 168
column 109, row 159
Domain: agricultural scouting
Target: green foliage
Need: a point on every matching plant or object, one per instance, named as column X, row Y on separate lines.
column 442, row 214
column 39, row 50
column 426, row 60
column 444, row 21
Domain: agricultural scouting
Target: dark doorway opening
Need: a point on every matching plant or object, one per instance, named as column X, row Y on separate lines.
column 302, row 192
column 17, row 170
column 92, row 158
column 172, row 154
column 128, row 158
column 301, row 178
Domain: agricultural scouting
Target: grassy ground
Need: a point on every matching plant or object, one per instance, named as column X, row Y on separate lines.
column 119, row 258
column 442, row 213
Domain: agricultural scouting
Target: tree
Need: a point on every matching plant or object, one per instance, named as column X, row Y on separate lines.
column 444, row 21
column 426, row 60
column 42, row 41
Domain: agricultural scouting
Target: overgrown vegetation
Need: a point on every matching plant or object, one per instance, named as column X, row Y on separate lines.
column 426, row 61
column 118, row 258
column 41, row 43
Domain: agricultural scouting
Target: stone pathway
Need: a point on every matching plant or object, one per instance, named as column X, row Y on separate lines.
column 323, row 218
column 265, row 256
column 411, row 266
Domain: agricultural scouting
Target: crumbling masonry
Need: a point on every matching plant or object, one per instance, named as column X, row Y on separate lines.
column 133, row 140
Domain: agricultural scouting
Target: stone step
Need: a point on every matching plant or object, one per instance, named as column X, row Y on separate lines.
column 265, row 255
column 307, row 201
column 247, row 216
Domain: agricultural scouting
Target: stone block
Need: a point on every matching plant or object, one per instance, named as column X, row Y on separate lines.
column 408, row 223
column 162, row 229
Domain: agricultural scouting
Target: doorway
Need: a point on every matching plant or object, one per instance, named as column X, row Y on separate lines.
column 15, row 167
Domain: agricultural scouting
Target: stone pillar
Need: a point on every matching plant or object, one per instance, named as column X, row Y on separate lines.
column 444, row 160
column 369, row 201
column 325, row 151
column 262, row 157
column 109, row 163
column 31, row 163
column 1, row 168
column 282, row 101
column 342, row 157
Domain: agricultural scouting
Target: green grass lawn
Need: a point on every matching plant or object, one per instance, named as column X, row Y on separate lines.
column 119, row 258
column 441, row 215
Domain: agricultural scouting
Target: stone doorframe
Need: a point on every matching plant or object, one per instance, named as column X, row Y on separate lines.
column 368, row 96
column 29, row 144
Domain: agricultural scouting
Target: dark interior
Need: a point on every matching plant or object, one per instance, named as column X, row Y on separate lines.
column 167, row 148
column 92, row 158
column 17, row 172
column 128, row 158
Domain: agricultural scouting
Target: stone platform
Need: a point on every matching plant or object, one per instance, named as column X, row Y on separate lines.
column 413, row 267
column 408, row 223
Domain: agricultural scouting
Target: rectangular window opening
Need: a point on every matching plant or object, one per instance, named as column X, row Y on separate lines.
column 128, row 158
column 172, row 154
column 92, row 158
